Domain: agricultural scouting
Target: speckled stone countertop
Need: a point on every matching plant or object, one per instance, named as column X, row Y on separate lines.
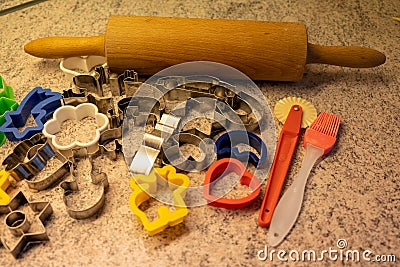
column 352, row 194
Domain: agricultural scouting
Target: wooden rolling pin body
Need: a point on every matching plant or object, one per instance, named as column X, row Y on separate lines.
column 262, row 50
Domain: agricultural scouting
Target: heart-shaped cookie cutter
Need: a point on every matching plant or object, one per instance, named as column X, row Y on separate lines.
column 221, row 168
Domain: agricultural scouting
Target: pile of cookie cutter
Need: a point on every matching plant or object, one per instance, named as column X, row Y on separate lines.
column 30, row 157
column 35, row 149
column 173, row 91
column 107, row 97
column 146, row 156
column 159, row 177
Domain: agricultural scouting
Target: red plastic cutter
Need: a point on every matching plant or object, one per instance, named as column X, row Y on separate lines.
column 223, row 167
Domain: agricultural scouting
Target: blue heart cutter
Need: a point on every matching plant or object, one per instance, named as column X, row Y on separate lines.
column 39, row 102
column 225, row 147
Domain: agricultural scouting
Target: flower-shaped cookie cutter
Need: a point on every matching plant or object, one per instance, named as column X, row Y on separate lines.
column 143, row 185
column 53, row 126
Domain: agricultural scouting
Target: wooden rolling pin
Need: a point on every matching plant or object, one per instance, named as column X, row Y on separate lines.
column 263, row 50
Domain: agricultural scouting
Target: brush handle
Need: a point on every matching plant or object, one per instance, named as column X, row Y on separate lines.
column 289, row 206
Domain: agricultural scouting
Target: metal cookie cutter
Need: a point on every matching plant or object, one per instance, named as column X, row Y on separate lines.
column 30, row 157
column 69, row 187
column 112, row 136
column 6, row 104
column 139, row 110
column 104, row 104
column 221, row 168
column 93, row 74
column 40, row 155
column 225, row 147
column 53, row 126
column 19, row 225
column 159, row 177
column 223, row 116
column 173, row 155
column 209, row 87
column 39, row 102
column 4, row 184
column 148, row 152
column 187, row 91
column 92, row 82
column 126, row 83
column 74, row 98
column 16, row 163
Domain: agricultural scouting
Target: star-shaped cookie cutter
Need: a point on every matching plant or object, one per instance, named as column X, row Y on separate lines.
column 18, row 223
column 40, row 103
column 144, row 185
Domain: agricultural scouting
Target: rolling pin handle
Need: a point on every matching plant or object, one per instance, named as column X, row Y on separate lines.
column 63, row 47
column 346, row 56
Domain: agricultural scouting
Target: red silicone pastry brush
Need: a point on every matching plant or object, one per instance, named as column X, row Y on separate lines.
column 318, row 140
